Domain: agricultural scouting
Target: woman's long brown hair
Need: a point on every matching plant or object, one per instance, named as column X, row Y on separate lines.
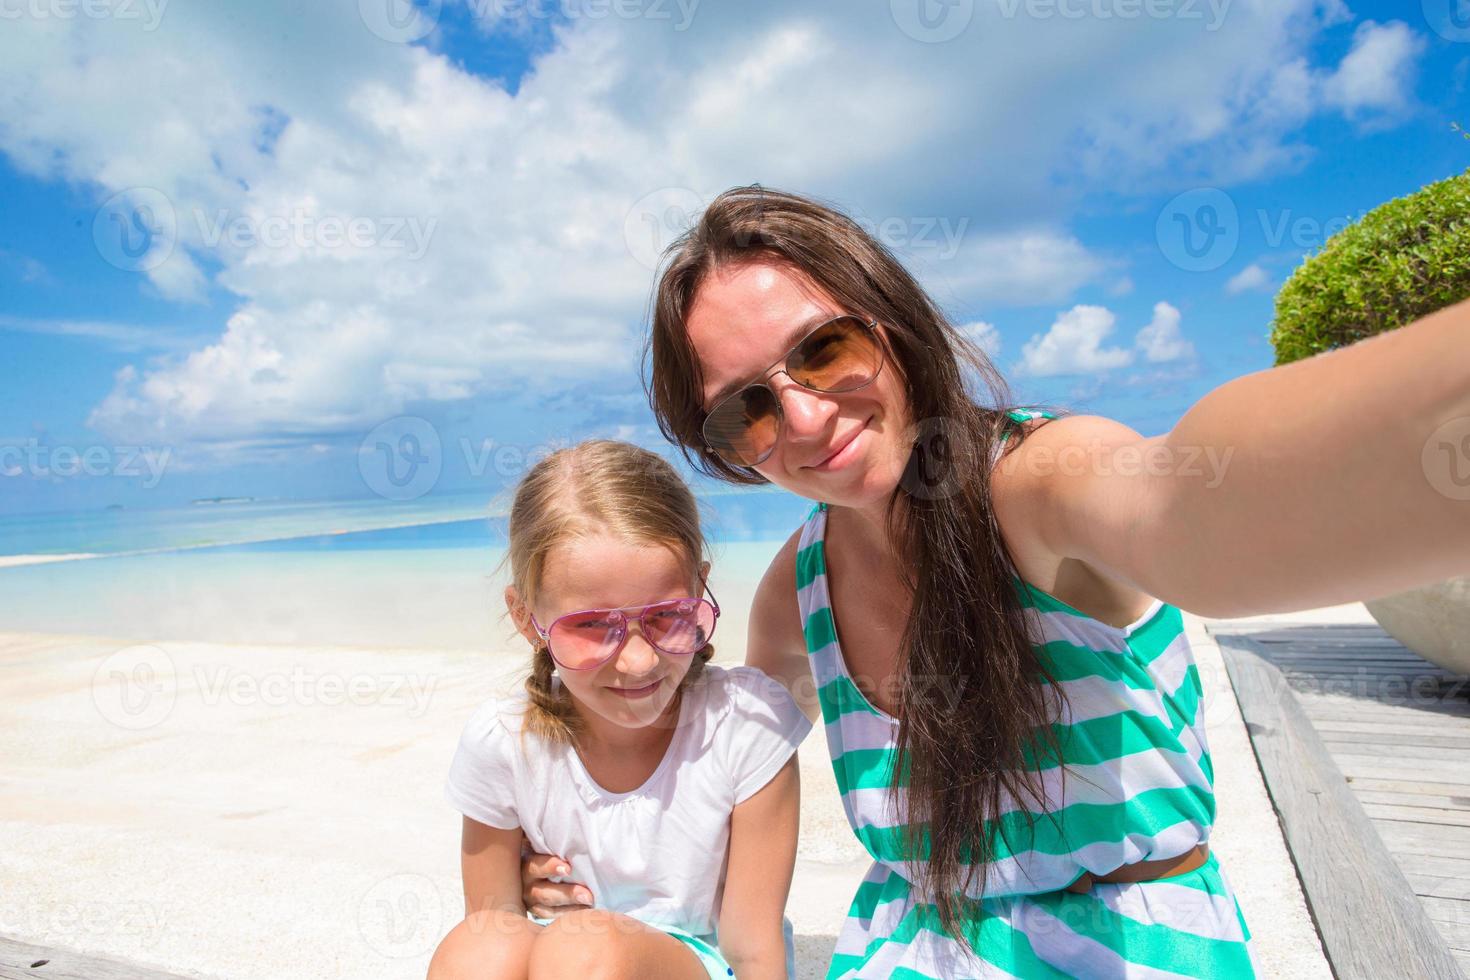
column 973, row 697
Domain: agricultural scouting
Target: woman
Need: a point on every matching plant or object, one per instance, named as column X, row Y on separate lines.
column 1012, row 708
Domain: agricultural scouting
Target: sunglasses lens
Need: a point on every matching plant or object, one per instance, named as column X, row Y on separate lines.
column 842, row 355
column 586, row 639
column 682, row 626
column 742, row 428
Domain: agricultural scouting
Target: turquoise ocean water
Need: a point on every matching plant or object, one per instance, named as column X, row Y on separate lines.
column 355, row 572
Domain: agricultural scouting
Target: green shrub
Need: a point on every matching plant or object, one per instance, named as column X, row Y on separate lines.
column 1403, row 260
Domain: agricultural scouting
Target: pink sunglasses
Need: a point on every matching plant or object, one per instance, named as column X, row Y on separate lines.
column 589, row 638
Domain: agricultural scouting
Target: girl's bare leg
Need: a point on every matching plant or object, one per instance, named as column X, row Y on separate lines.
column 488, row 945
column 601, row 945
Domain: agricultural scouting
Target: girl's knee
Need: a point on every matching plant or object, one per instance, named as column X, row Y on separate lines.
column 593, row 944
column 486, row 944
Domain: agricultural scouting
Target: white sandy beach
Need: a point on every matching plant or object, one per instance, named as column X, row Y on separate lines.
column 272, row 812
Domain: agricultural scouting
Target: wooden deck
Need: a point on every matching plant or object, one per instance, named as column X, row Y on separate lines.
column 25, row 960
column 1359, row 737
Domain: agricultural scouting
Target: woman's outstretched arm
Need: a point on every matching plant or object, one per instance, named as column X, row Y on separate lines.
column 1342, row 477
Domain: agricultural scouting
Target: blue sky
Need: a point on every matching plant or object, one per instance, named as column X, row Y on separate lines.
column 363, row 215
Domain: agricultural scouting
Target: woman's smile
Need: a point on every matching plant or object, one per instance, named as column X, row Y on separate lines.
column 848, row 449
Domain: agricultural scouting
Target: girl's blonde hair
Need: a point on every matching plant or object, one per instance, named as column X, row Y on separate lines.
column 601, row 486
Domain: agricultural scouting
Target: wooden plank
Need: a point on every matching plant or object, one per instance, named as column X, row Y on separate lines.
column 1352, row 656
column 1419, row 838
column 1382, row 687
column 1458, row 728
column 1347, row 709
column 1371, row 923
column 1434, row 886
column 18, row 961
column 1442, row 909
column 1419, row 753
column 1455, row 935
column 1457, row 868
column 1355, row 656
column 1374, row 679
column 1411, row 788
column 1401, row 798
column 1354, row 764
column 1451, row 743
column 1418, row 814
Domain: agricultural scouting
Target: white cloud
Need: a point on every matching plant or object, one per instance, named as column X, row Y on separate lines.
column 985, row 335
column 526, row 280
column 122, row 336
column 1024, row 268
column 27, row 269
column 1251, row 277
column 1377, row 74
column 1160, row 340
column 1074, row 343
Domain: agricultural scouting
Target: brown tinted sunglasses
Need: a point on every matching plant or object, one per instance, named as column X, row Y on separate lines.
column 840, row 354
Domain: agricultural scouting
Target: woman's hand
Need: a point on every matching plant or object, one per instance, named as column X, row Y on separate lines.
column 549, row 899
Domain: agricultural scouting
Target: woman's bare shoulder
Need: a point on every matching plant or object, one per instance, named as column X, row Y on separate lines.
column 1058, row 497
column 1052, row 471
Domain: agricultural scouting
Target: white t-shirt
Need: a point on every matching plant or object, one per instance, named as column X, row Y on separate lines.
column 656, row 853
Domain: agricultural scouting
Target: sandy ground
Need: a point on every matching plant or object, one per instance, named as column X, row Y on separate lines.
column 262, row 813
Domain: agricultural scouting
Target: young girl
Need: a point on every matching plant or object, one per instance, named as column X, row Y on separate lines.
column 667, row 786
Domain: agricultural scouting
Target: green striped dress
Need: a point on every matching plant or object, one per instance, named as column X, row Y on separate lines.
column 1139, row 786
